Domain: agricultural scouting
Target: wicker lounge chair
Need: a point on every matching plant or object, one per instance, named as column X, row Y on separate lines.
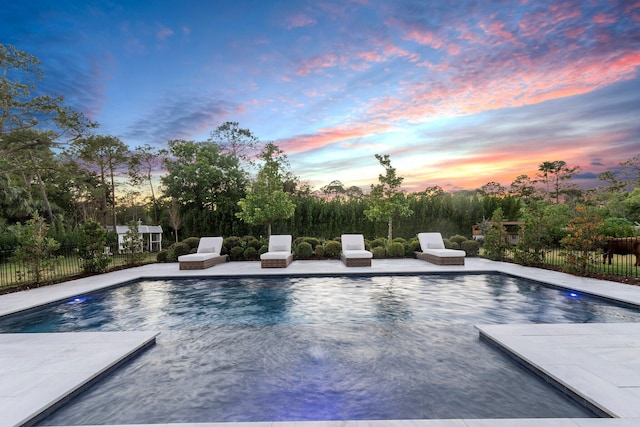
column 433, row 250
column 207, row 255
column 353, row 252
column 279, row 254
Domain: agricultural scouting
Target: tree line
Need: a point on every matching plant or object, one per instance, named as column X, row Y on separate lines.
column 55, row 164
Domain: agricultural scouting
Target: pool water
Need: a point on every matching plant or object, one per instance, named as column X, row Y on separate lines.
column 318, row 348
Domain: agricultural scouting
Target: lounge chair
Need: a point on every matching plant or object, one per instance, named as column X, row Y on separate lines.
column 433, row 250
column 353, row 252
column 279, row 254
column 207, row 255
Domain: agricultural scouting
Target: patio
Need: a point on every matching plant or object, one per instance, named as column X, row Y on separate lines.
column 597, row 361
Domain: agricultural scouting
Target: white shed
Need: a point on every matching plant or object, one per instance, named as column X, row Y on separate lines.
column 151, row 236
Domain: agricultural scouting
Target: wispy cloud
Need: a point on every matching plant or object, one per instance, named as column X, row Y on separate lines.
column 180, row 117
column 299, row 20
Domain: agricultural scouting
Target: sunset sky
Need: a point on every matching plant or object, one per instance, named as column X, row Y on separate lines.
column 458, row 93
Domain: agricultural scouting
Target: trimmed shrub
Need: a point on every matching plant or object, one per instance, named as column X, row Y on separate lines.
column 231, row 242
column 332, row 249
column 457, row 239
column 304, row 250
column 395, row 250
column 471, row 247
column 378, row 252
column 251, row 253
column 162, row 256
column 413, row 246
column 312, row 241
column 400, row 240
column 263, row 249
column 379, row 242
column 319, row 251
column 192, row 242
column 253, row 243
column 454, row 245
column 447, row 243
column 236, row 253
column 180, row 249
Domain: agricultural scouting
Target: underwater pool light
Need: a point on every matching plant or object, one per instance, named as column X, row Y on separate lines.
column 77, row 300
column 573, row 294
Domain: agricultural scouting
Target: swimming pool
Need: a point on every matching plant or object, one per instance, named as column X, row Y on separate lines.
column 316, row 348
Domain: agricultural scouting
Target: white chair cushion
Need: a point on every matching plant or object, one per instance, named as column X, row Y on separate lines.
column 198, row 256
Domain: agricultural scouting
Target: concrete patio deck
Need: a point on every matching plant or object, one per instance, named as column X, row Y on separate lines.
column 598, row 361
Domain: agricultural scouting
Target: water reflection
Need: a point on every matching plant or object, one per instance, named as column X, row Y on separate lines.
column 317, row 348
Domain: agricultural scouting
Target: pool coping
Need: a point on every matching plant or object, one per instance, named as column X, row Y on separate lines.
column 25, row 300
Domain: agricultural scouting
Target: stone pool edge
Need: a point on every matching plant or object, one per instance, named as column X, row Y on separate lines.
column 608, row 290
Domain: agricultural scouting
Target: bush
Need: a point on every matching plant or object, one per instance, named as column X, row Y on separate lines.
column 319, row 251
column 378, row 252
column 253, row 242
column 162, row 256
column 496, row 239
column 251, row 253
column 471, row 247
column 379, row 242
column 395, row 250
column 447, row 243
column 458, row 239
column 193, row 242
column 230, row 242
column 236, row 253
column 618, row 227
column 263, row 249
column 312, row 241
column 304, row 250
column 35, row 251
column 91, row 247
column 413, row 246
column 332, row 249
column 180, row 249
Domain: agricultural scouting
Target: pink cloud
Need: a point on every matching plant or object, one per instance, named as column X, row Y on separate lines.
column 602, row 18
column 299, row 20
column 497, row 30
column 424, row 37
column 328, row 136
column 317, row 63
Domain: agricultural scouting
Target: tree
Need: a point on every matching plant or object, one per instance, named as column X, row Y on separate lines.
column 35, row 251
column 20, row 110
column 200, row 176
column 334, row 190
column 387, row 199
column 583, row 238
column 91, row 247
column 15, row 202
column 523, row 187
column 496, row 239
column 174, row 217
column 553, row 174
column 142, row 163
column 132, row 244
column 493, row 189
column 239, row 143
column 534, row 237
column 108, row 154
column 30, row 164
column 267, row 201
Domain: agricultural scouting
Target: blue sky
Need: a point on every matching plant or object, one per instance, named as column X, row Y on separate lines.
column 457, row 93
